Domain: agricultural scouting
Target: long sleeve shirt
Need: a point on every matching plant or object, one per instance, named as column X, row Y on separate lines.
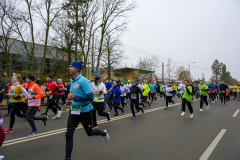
column 100, row 86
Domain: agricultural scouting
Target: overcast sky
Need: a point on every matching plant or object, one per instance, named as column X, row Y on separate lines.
column 187, row 31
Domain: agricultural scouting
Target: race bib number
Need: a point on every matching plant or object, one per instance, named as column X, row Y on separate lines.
column 223, row 91
column 122, row 94
column 65, row 88
column 51, row 96
column 12, row 93
column 76, row 110
column 213, row 91
column 209, row 91
column 151, row 91
column 134, row 96
column 97, row 95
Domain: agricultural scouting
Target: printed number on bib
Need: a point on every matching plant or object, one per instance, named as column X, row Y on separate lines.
column 12, row 93
column 134, row 96
column 223, row 91
column 97, row 95
column 76, row 110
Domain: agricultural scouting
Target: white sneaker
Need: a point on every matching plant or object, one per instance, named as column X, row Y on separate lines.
column 56, row 116
column 1, row 157
column 59, row 113
column 107, row 137
column 213, row 102
column 168, row 105
column 182, row 113
column 207, row 106
column 200, row 110
column 191, row 115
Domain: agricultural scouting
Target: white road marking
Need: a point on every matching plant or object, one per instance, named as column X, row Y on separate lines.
column 212, row 146
column 58, row 131
column 235, row 114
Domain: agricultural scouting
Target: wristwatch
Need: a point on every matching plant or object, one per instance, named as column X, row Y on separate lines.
column 33, row 97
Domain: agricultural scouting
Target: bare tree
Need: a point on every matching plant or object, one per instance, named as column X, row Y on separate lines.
column 182, row 73
column 7, row 11
column 48, row 10
column 114, row 15
column 149, row 63
column 170, row 69
column 112, row 53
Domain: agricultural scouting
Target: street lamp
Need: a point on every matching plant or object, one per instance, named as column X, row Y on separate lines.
column 189, row 69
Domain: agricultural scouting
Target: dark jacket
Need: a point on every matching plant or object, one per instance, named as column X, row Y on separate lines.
column 136, row 90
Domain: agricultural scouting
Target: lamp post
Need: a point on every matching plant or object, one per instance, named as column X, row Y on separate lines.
column 189, row 69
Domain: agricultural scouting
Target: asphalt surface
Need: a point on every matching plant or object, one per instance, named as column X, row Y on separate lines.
column 156, row 134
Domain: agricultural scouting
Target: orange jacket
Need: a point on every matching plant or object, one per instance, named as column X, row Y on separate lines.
column 38, row 90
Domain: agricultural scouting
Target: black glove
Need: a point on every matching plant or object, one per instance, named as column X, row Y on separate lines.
column 17, row 97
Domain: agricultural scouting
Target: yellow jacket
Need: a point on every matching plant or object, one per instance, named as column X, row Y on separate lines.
column 14, row 92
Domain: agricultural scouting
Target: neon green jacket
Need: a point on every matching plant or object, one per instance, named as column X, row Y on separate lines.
column 203, row 89
column 187, row 96
column 146, row 90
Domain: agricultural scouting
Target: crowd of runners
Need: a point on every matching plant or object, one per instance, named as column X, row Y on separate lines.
column 85, row 98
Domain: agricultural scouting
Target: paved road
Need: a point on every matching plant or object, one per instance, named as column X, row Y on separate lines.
column 156, row 134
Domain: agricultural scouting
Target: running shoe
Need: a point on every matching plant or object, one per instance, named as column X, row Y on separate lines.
column 110, row 110
column 183, row 113
column 122, row 110
column 33, row 133
column 178, row 99
column 151, row 102
column 134, row 117
column 224, row 104
column 173, row 102
column 168, row 105
column 191, row 115
column 67, row 109
column 127, row 104
column 8, row 131
column 207, row 106
column 200, row 110
column 166, row 108
column 107, row 137
column 213, row 102
column 1, row 157
column 55, row 116
column 142, row 110
column 95, row 127
column 109, row 116
column 221, row 103
column 45, row 120
column 115, row 115
column 59, row 113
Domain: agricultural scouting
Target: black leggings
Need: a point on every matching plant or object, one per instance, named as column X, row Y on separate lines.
column 136, row 103
column 184, row 102
column 62, row 97
column 213, row 95
column 152, row 95
column 16, row 111
column 122, row 101
column 10, row 108
column 116, row 106
column 168, row 100
column 223, row 97
column 51, row 103
column 203, row 98
column 99, row 107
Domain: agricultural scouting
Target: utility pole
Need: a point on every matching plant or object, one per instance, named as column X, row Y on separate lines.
column 162, row 71
column 203, row 76
column 92, row 53
column 76, row 31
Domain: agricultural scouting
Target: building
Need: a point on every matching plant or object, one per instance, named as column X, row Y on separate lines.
column 126, row 74
column 18, row 58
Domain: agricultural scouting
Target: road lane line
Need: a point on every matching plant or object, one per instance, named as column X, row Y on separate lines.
column 58, row 131
column 212, row 146
column 235, row 114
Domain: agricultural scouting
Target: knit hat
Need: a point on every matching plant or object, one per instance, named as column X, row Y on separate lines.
column 137, row 80
column 32, row 77
column 59, row 80
column 77, row 65
column 114, row 82
column 133, row 81
column 24, row 78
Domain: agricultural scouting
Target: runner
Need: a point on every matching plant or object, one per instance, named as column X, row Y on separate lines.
column 187, row 99
column 227, row 95
column 145, row 94
column 180, row 87
column 213, row 88
column 161, row 91
column 152, row 87
column 123, row 90
column 209, row 93
column 235, row 88
column 164, row 90
column 238, row 92
column 16, row 90
column 107, row 96
column 197, row 91
column 61, row 93
column 135, row 94
column 157, row 90
column 223, row 88
column 169, row 94
column 43, row 88
column 9, row 104
column 81, row 95
column 34, row 101
column 66, row 89
column 174, row 87
column 178, row 93
column 203, row 92
column 116, row 98
column 52, row 89
column 98, row 89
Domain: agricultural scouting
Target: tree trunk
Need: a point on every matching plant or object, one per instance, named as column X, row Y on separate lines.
column 76, row 38
column 109, row 64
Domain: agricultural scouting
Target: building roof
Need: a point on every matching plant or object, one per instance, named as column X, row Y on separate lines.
column 132, row 69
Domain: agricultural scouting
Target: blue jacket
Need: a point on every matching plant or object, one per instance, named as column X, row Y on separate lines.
column 82, row 90
column 213, row 87
column 152, row 87
column 108, row 86
column 116, row 91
